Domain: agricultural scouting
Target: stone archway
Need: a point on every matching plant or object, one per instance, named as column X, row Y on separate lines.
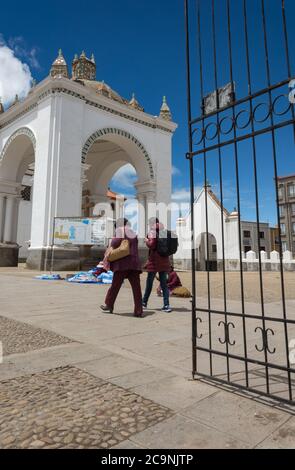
column 111, row 133
column 16, row 184
column 206, row 252
column 23, row 131
column 103, row 153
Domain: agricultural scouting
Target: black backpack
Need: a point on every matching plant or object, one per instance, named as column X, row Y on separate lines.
column 167, row 243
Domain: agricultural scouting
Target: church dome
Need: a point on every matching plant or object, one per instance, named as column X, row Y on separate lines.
column 102, row 88
column 84, row 72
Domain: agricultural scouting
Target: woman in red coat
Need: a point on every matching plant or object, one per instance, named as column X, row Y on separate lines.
column 156, row 264
column 173, row 281
column 125, row 268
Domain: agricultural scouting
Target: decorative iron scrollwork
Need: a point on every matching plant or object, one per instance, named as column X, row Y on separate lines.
column 262, row 111
column 200, row 320
column 265, row 345
column 226, row 333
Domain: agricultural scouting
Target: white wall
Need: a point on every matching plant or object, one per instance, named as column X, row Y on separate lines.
column 61, row 124
column 231, row 244
column 24, row 227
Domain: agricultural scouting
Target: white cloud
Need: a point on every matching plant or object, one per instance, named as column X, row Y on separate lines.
column 21, row 50
column 15, row 76
column 183, row 195
column 125, row 177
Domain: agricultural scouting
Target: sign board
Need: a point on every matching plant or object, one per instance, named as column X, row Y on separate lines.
column 81, row 231
column 226, row 96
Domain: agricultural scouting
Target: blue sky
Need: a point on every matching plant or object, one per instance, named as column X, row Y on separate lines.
column 139, row 47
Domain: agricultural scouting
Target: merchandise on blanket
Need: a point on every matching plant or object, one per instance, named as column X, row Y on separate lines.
column 49, row 277
column 84, row 278
column 97, row 270
column 106, row 278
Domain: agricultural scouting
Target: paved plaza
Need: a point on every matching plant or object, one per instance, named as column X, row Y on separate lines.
column 73, row 377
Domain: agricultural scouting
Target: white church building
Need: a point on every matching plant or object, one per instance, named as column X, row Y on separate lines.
column 223, row 240
column 67, row 138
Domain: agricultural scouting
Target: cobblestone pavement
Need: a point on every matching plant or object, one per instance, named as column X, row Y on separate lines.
column 18, row 337
column 69, row 408
column 116, row 382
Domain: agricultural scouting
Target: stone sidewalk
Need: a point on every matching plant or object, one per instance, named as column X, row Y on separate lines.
column 75, row 377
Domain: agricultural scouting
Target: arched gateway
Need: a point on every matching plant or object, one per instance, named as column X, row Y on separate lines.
column 66, row 139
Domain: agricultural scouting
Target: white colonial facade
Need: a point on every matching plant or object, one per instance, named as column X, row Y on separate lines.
column 223, row 238
column 70, row 135
column 208, row 208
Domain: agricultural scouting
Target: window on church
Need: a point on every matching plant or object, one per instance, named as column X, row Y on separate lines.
column 247, row 234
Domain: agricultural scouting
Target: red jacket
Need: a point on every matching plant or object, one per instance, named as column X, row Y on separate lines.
column 156, row 263
column 131, row 262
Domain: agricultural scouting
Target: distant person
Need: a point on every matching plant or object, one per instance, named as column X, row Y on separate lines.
column 157, row 263
column 173, row 281
column 125, row 268
column 175, row 286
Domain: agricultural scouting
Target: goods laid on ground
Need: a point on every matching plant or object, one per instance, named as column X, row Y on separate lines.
column 49, row 277
column 89, row 278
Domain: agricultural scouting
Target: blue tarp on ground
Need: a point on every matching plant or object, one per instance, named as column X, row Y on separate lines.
column 89, row 278
column 49, row 277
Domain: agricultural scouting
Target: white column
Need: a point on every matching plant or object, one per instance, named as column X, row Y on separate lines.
column 1, row 215
column 150, row 207
column 141, row 217
column 8, row 223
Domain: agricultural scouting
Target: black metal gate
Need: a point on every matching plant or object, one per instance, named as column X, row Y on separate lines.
column 241, row 155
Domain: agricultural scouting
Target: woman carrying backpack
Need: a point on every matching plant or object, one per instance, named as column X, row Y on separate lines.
column 156, row 264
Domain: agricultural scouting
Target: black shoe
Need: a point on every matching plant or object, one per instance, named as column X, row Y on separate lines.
column 106, row 309
column 138, row 315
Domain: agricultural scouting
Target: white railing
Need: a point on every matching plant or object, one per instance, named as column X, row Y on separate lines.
column 269, row 262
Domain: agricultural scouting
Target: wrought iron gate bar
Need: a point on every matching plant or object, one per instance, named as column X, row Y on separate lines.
column 205, row 185
column 192, row 194
column 236, row 357
column 287, row 56
column 274, row 152
column 227, row 341
column 229, row 37
column 219, row 380
column 246, row 315
column 236, row 103
column 242, row 137
column 216, row 130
